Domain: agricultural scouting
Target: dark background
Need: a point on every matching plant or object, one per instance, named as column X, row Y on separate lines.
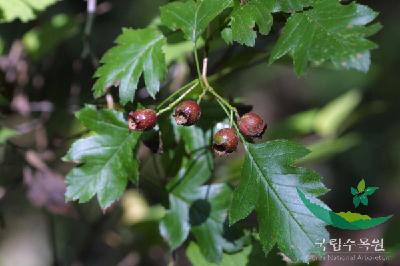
column 351, row 121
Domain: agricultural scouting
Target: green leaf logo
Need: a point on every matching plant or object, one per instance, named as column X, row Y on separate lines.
column 361, row 186
column 343, row 220
column 361, row 194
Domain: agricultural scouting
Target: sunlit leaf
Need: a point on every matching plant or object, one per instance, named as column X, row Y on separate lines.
column 24, row 10
column 245, row 17
column 192, row 17
column 136, row 52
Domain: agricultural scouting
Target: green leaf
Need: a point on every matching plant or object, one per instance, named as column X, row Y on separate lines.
column 137, row 51
column 329, row 31
column 361, row 186
column 290, row 6
column 268, row 186
column 370, row 190
column 353, row 191
column 236, row 259
column 192, row 17
column 364, row 199
column 250, row 255
column 199, row 209
column 356, row 201
column 24, row 10
column 244, row 18
column 106, row 159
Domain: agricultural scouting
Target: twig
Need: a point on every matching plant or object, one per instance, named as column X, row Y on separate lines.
column 204, row 73
column 91, row 14
column 110, row 101
column 91, row 6
column 183, row 95
column 196, row 59
column 177, row 92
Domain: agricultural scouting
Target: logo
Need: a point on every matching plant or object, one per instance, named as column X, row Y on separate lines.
column 361, row 194
column 346, row 220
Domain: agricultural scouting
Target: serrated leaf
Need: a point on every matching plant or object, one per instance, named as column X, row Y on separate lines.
column 192, row 17
column 201, row 210
column 290, row 6
column 361, row 186
column 24, row 10
column 353, row 191
column 106, row 159
column 356, row 201
column 370, row 190
column 136, row 52
column 245, row 17
column 329, row 31
column 268, row 186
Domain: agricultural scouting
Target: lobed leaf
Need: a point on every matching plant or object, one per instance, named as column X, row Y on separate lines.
column 106, row 159
column 192, row 17
column 290, row 6
column 245, row 17
column 329, row 31
column 136, row 52
column 268, row 186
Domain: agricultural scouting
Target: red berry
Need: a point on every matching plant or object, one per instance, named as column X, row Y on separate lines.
column 187, row 113
column 142, row 119
column 225, row 141
column 252, row 125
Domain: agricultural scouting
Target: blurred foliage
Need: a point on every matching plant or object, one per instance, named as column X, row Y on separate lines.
column 24, row 10
column 349, row 120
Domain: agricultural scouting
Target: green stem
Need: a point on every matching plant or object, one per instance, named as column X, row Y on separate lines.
column 196, row 59
column 223, row 107
column 222, row 99
column 201, row 96
column 228, row 109
column 177, row 100
column 173, row 95
column 231, row 119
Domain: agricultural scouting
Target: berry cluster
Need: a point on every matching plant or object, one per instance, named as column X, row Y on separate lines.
column 187, row 113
